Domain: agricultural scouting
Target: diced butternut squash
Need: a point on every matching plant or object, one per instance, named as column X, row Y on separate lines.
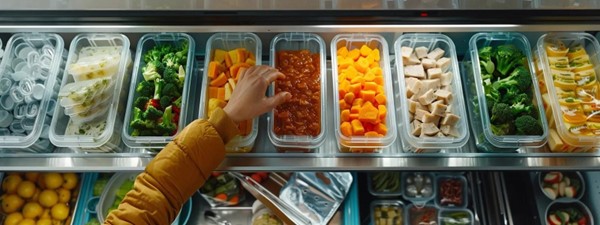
column 251, row 56
column 376, row 55
column 345, row 116
column 349, row 98
column 353, row 116
column 365, row 50
column 351, row 72
column 228, row 61
column 234, row 70
column 232, row 82
column 368, row 95
column 241, row 54
column 371, row 134
column 228, row 91
column 380, row 98
column 374, row 65
column 345, row 63
column 362, row 65
column 354, row 54
column 380, row 90
column 377, row 71
column 357, row 128
column 358, row 80
column 368, row 113
column 343, row 51
column 219, row 81
column 355, row 88
column 346, row 129
column 221, row 93
column 370, row 86
column 213, row 70
column 378, row 80
column 250, row 62
column 213, row 92
column 381, row 129
column 358, row 102
column 355, row 109
column 382, row 112
column 369, row 76
column 233, row 55
column 344, row 105
column 219, row 56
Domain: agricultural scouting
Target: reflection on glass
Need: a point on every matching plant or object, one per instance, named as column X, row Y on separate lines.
column 359, row 4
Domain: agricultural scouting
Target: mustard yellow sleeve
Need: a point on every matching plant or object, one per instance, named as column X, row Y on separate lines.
column 176, row 172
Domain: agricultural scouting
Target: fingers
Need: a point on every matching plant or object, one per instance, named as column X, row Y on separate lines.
column 278, row 99
column 242, row 72
column 273, row 75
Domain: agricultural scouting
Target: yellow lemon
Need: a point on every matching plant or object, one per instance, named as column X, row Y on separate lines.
column 44, row 222
column 26, row 189
column 12, row 203
column 13, row 218
column 48, row 198
column 32, row 210
column 59, row 212
column 71, row 180
column 64, row 195
column 53, row 180
column 27, row 222
column 32, row 176
column 10, row 183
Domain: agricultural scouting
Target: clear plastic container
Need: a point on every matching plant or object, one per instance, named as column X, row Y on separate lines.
column 559, row 205
column 418, row 187
column 102, row 132
column 316, row 45
column 145, row 43
column 361, row 143
column 227, row 42
column 446, row 187
column 456, row 216
column 41, row 71
column 109, row 194
column 571, row 140
column 473, row 86
column 431, row 42
column 359, row 4
column 385, row 184
column 394, row 212
column 421, row 214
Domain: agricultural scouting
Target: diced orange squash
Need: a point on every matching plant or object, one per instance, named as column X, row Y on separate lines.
column 380, row 98
column 371, row 134
column 351, row 72
column 251, row 56
column 234, row 55
column 362, row 65
column 213, row 69
column 343, row 51
column 232, row 82
column 382, row 112
column 355, row 88
column 368, row 113
column 358, row 102
column 354, row 54
column 357, row 127
column 342, row 76
column 228, row 91
column 219, row 81
column 346, row 129
column 250, row 61
column 369, row 76
column 349, row 98
column 381, row 129
column 376, row 55
column 377, row 71
column 345, row 63
column 374, row 65
column 344, row 105
column 242, row 54
column 228, row 61
column 365, row 50
column 370, row 86
column 355, row 109
column 378, row 80
column 219, row 55
column 213, row 92
column 345, row 115
column 358, row 80
column 221, row 93
column 235, row 69
column 380, row 90
column 368, row 95
column 353, row 116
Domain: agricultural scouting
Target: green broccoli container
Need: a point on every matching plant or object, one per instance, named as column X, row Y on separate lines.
column 147, row 138
column 478, row 108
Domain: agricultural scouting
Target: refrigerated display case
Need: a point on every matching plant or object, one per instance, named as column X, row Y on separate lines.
column 388, row 20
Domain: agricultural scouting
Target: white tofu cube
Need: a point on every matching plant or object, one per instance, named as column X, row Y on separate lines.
column 450, row 119
column 444, row 95
column 416, row 128
column 439, row 109
column 446, row 78
column 406, row 52
column 430, row 118
column 443, row 63
column 434, row 73
column 428, row 63
column 413, row 60
column 413, row 86
column 431, row 84
column 414, row 71
column 449, row 130
column 436, row 54
column 421, row 52
column 412, row 106
column 419, row 113
column 429, row 129
column 428, row 97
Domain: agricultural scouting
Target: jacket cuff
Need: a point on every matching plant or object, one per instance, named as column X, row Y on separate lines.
column 226, row 128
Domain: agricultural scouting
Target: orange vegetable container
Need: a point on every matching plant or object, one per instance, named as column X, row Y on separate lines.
column 226, row 54
column 364, row 104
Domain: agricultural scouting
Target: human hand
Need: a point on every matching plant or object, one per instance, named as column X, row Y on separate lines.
column 248, row 99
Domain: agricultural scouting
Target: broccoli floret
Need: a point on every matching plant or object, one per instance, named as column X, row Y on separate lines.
column 145, row 88
column 177, row 102
column 152, row 113
column 167, row 127
column 492, row 96
column 502, row 129
column 170, row 89
column 523, row 99
column 519, row 109
column 171, row 60
column 181, row 75
column 158, row 87
column 141, row 102
column 182, row 53
column 165, row 101
column 527, row 125
column 507, row 57
column 158, row 52
column 138, row 122
column 150, row 71
column 520, row 78
column 501, row 113
column 485, row 60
